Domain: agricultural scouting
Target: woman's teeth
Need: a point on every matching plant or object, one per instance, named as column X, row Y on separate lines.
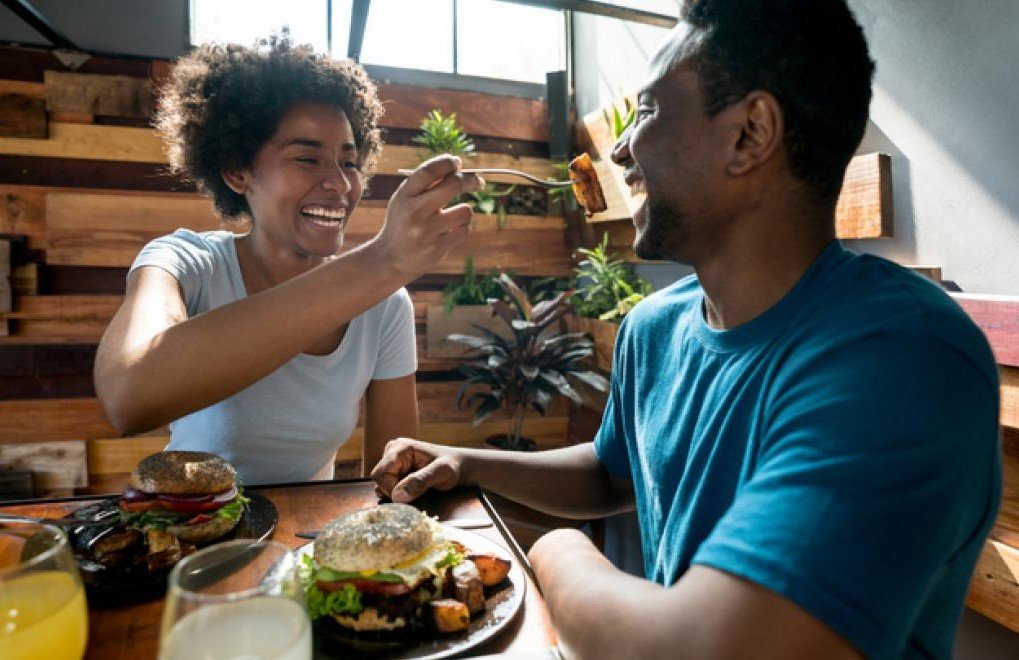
column 323, row 216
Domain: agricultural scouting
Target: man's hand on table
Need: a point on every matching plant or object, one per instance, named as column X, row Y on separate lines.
column 410, row 467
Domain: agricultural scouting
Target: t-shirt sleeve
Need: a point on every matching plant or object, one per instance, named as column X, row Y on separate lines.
column 183, row 254
column 610, row 443
column 878, row 470
column 397, row 347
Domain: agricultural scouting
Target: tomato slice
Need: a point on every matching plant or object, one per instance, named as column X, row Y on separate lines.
column 136, row 507
column 366, row 586
column 188, row 507
column 199, row 519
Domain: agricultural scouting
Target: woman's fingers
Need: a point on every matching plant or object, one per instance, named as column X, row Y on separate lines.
column 429, row 173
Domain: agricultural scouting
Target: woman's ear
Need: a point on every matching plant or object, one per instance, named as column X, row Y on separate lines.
column 237, row 181
column 761, row 133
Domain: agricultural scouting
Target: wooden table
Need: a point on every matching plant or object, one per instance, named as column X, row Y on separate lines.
column 132, row 632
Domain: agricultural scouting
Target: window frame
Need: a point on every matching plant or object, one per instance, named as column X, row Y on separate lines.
column 458, row 81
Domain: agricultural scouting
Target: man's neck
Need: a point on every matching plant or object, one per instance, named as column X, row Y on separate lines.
column 759, row 262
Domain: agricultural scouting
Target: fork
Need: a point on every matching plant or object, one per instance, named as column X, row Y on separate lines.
column 59, row 522
column 548, row 183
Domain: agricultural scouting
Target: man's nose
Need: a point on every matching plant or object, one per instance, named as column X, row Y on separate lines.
column 621, row 150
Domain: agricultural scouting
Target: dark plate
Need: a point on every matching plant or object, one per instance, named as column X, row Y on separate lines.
column 502, row 603
column 105, row 586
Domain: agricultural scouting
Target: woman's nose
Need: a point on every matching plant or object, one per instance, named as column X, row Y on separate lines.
column 336, row 178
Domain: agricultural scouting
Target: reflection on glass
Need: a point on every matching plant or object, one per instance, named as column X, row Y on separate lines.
column 412, row 35
column 502, row 40
column 243, row 21
column 42, row 601
column 239, row 599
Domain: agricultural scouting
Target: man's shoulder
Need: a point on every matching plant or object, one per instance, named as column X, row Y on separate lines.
column 874, row 300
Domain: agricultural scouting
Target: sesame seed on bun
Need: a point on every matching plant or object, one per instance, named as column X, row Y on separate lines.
column 183, row 473
column 374, row 539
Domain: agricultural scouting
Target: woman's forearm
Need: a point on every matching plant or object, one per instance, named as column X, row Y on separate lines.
column 151, row 380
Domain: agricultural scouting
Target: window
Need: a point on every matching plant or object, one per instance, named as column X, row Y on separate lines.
column 410, row 35
column 244, row 21
column 502, row 40
column 480, row 38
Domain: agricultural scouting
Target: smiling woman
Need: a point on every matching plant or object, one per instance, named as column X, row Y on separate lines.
column 259, row 347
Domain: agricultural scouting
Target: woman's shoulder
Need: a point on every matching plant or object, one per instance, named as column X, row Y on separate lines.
column 199, row 240
column 395, row 308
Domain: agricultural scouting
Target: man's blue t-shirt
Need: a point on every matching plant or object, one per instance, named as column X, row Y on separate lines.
column 840, row 449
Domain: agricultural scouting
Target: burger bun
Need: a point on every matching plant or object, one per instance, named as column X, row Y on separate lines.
column 183, row 473
column 376, row 538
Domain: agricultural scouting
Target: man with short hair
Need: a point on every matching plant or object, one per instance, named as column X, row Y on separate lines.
column 809, row 435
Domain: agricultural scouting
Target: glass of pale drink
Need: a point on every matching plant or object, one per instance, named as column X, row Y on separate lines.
column 42, row 601
column 240, row 599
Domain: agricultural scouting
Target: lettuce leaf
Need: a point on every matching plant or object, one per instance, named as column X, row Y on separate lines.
column 153, row 519
column 234, row 509
column 344, row 601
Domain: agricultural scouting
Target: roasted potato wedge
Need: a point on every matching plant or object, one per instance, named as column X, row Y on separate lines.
column 448, row 615
column 467, row 586
column 492, row 569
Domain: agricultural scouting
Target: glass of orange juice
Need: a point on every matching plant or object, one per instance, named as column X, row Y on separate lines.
column 42, row 601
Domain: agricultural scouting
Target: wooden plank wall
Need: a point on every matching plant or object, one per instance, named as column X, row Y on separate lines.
column 83, row 187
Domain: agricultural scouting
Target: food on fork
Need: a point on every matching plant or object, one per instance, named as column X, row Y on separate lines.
column 585, row 185
column 382, row 578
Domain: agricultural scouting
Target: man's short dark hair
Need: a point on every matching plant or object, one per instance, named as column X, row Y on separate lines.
column 810, row 54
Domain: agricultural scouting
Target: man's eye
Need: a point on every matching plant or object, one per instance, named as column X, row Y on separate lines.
column 307, row 159
column 643, row 111
column 351, row 165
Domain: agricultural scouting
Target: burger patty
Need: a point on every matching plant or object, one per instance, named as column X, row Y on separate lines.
column 406, row 605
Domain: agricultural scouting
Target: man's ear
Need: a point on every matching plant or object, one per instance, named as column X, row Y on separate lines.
column 237, row 180
column 761, row 133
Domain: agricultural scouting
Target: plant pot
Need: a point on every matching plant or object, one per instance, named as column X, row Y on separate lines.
column 461, row 319
column 603, row 333
column 500, row 439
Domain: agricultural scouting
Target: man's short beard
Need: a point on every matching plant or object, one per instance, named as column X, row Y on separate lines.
column 662, row 230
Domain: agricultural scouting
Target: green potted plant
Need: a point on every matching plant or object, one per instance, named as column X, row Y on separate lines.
column 441, row 134
column 529, row 369
column 606, row 290
column 465, row 304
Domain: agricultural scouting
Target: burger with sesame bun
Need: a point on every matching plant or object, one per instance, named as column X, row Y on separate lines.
column 371, row 573
column 192, row 495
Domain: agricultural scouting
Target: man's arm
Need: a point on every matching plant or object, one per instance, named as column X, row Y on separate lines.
column 601, row 612
column 568, row 482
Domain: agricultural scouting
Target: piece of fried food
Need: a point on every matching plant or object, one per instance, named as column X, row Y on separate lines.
column 586, row 186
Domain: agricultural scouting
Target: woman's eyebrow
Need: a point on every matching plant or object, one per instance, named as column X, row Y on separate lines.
column 303, row 142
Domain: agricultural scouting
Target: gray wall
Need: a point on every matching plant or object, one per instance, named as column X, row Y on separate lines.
column 945, row 102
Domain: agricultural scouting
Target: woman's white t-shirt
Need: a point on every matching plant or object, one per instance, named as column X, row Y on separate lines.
column 288, row 425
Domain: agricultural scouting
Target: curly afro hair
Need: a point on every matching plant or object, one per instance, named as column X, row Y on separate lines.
column 223, row 102
column 810, row 54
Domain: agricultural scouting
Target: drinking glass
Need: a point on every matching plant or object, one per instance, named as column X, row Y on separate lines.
column 42, row 600
column 239, row 599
